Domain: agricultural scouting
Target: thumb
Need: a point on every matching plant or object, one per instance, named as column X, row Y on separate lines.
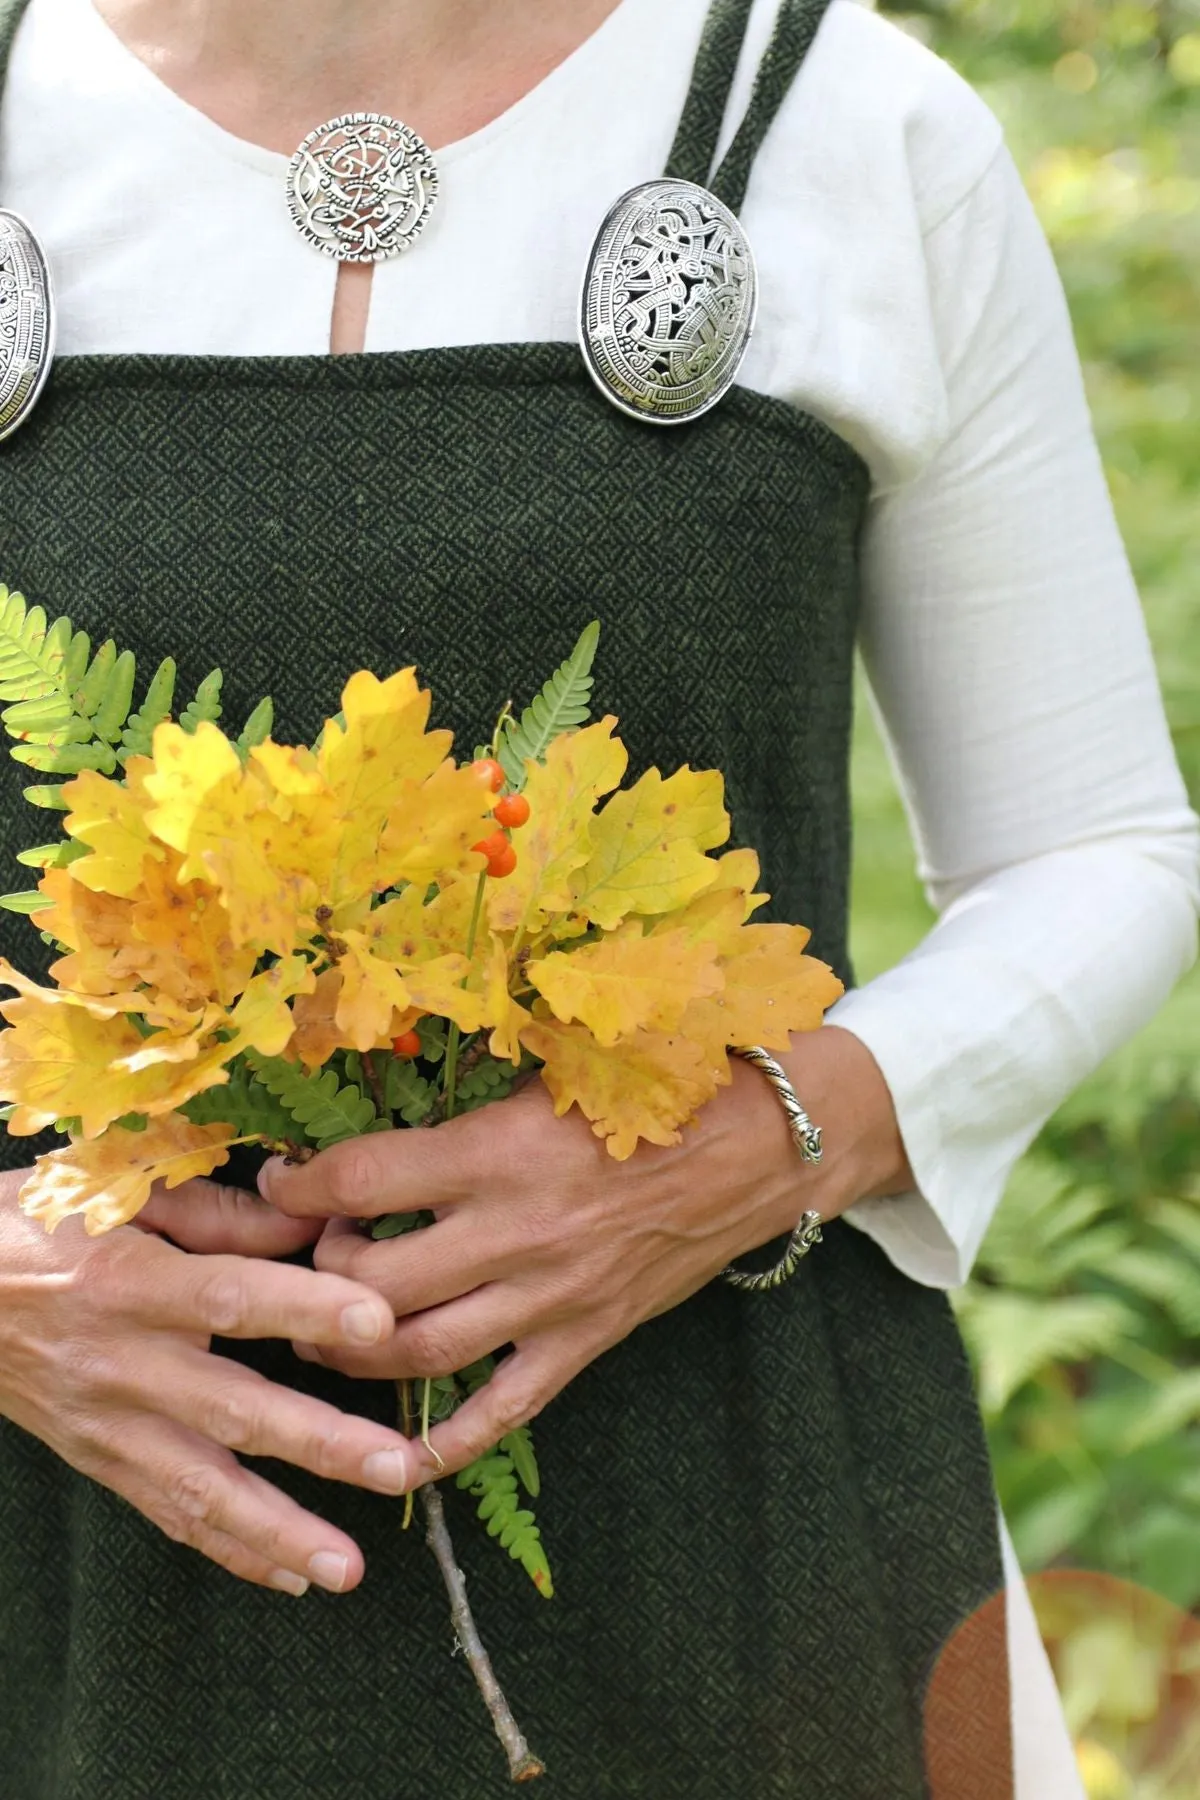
column 211, row 1219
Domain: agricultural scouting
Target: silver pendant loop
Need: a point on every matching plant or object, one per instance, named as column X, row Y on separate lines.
column 669, row 302
column 361, row 187
column 27, row 322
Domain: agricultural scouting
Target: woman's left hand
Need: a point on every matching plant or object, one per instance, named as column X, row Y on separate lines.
column 543, row 1241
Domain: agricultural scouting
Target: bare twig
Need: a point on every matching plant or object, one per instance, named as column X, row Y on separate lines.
column 522, row 1764
column 375, row 1084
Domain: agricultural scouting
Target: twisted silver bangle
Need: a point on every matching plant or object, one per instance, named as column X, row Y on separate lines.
column 807, row 1138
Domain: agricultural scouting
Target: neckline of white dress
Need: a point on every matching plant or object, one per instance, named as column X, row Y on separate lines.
column 102, row 44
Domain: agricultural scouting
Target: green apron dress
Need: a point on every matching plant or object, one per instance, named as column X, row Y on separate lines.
column 767, row 1516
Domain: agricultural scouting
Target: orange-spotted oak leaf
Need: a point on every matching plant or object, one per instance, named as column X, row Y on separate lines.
column 771, row 990
column 644, row 1088
column 648, row 846
column 628, row 982
column 234, row 830
column 563, row 791
column 109, row 1179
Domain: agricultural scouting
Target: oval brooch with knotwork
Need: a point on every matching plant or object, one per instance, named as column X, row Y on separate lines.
column 26, row 322
column 361, row 188
column 669, row 302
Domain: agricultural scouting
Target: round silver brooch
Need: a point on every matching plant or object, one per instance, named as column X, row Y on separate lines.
column 26, row 322
column 361, row 188
column 669, row 302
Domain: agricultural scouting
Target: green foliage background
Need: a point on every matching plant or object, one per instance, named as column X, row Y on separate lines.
column 1084, row 1317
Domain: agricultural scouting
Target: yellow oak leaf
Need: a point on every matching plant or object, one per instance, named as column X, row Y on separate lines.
column 506, row 1017
column 60, row 1061
column 233, row 830
column 579, row 769
column 644, row 1088
column 262, row 1019
column 383, row 743
column 99, row 1006
column 372, row 988
column 437, row 987
column 316, row 1031
column 79, row 918
column 181, row 939
column 628, row 982
column 374, row 762
column 649, row 844
column 410, row 930
column 771, row 990
column 431, row 826
column 191, row 771
column 110, row 818
column 109, row 1180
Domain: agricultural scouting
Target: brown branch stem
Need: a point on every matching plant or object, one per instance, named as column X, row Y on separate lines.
column 375, row 1084
column 522, row 1764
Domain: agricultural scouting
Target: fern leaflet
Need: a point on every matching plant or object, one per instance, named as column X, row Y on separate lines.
column 327, row 1112
column 563, row 704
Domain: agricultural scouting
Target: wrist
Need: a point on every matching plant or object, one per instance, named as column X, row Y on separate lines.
column 842, row 1088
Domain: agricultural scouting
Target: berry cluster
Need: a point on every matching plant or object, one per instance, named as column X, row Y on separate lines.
column 511, row 811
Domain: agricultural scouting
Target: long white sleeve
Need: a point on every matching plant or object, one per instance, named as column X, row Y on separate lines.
column 1010, row 665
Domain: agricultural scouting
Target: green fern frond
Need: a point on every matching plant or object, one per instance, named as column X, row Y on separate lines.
column 244, row 1103
column 326, row 1112
column 52, row 856
column 1013, row 1337
column 486, row 1081
column 137, row 739
column 563, row 704
column 49, row 797
column 206, row 706
column 70, row 759
column 493, row 1482
column 257, row 727
column 407, row 1092
column 28, row 902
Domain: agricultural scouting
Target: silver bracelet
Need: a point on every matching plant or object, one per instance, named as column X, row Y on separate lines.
column 807, row 1138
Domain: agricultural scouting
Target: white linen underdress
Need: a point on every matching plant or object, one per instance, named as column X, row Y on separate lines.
column 909, row 300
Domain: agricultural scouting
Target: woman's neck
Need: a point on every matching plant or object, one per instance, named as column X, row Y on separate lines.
column 270, row 70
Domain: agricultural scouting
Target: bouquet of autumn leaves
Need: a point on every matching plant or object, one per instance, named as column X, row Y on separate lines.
column 284, row 946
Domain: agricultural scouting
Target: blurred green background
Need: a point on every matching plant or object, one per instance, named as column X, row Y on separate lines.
column 1084, row 1316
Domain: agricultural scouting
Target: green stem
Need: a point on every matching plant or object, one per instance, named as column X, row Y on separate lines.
column 454, row 1036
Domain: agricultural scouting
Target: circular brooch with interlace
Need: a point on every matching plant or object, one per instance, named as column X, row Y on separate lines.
column 361, row 188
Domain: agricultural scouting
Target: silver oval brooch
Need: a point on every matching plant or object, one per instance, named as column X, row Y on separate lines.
column 361, row 188
column 26, row 322
column 669, row 302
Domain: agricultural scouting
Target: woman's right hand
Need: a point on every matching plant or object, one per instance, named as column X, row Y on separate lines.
column 105, row 1356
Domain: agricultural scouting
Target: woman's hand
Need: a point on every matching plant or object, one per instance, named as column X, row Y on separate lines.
column 543, row 1241
column 104, row 1356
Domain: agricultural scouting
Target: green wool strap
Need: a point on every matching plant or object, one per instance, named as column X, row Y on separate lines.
column 695, row 148
column 11, row 14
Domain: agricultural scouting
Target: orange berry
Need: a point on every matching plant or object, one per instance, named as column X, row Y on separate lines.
column 407, row 1044
column 502, row 864
column 512, row 811
column 489, row 770
column 493, row 845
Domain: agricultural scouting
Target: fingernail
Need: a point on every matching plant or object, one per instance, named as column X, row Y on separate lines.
column 387, row 1470
column 266, row 1175
column 289, row 1583
column 361, row 1323
column 329, row 1570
